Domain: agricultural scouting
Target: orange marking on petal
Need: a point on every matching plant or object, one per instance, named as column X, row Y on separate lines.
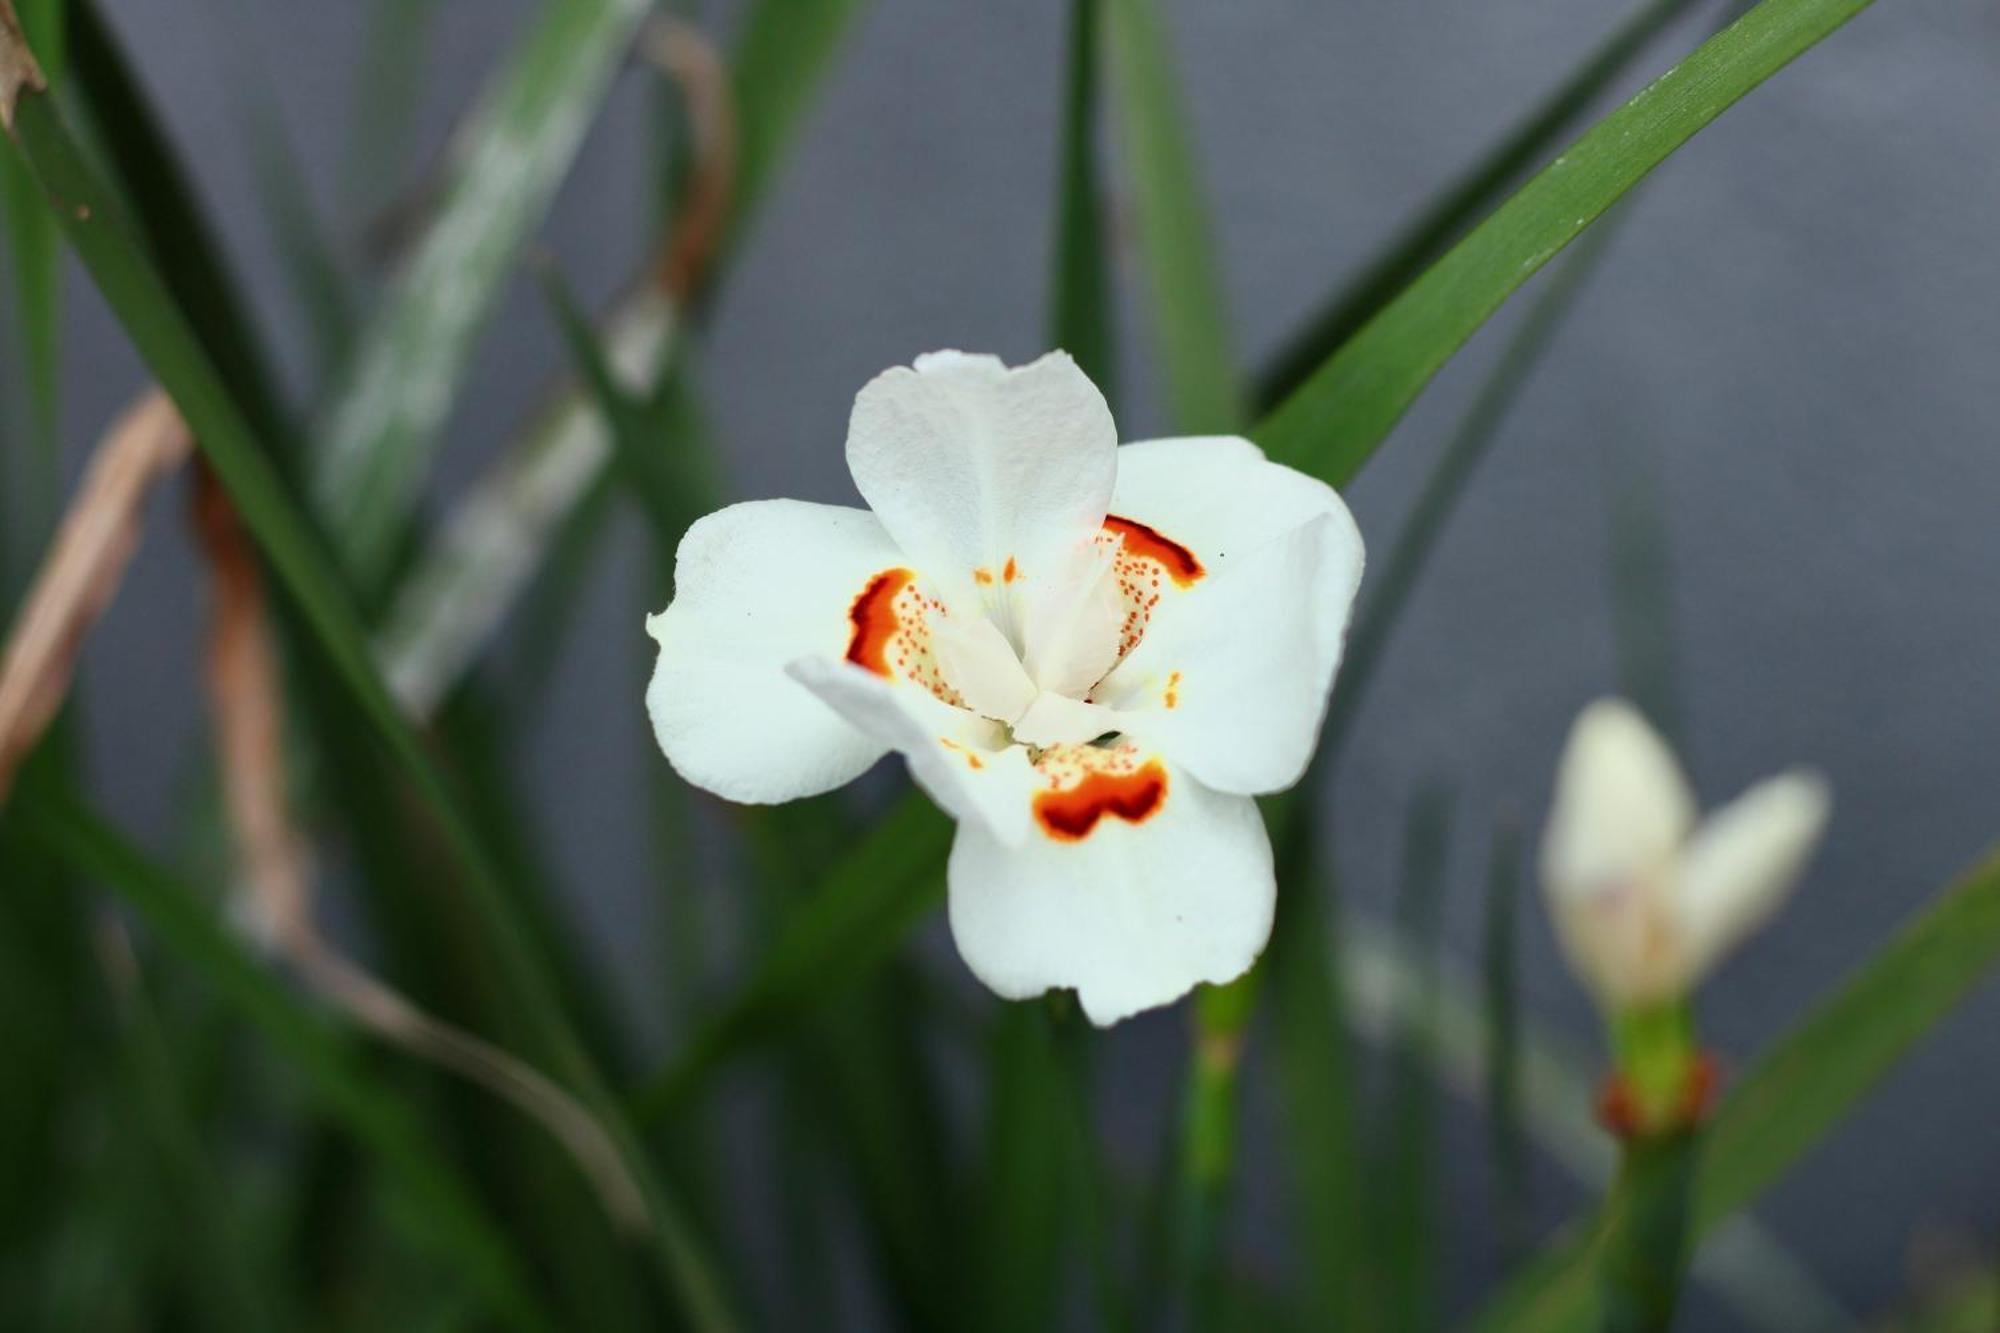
column 1174, row 690
column 1070, row 815
column 873, row 616
column 1011, row 572
column 1147, row 543
column 973, row 759
column 982, row 576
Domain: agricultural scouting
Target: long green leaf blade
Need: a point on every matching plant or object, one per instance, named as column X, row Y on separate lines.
column 34, row 254
column 1804, row 1086
column 1341, row 414
column 1172, row 216
column 1462, row 203
column 381, row 432
column 785, row 51
column 1082, row 322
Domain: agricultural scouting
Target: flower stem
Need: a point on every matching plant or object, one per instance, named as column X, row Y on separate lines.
column 1655, row 1102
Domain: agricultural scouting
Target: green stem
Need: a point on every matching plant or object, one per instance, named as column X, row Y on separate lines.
column 1645, row 1243
column 1208, row 1144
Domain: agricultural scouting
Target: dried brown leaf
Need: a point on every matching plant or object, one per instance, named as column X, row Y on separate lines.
column 82, row 571
column 246, row 700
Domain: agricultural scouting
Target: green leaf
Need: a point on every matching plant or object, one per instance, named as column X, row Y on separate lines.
column 1407, row 1192
column 653, row 465
column 1501, row 989
column 1023, row 1229
column 1462, row 203
column 1318, row 1093
column 34, row 253
column 394, row 50
column 784, row 53
column 1083, row 322
column 849, row 925
column 1397, row 576
column 171, row 226
column 1642, row 592
column 382, row 429
column 441, row 1216
column 1802, row 1087
column 319, row 288
column 216, row 1264
column 94, row 221
column 1171, row 213
column 1338, row 417
column 464, row 582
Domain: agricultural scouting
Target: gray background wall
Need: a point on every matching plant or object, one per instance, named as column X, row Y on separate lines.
column 1797, row 333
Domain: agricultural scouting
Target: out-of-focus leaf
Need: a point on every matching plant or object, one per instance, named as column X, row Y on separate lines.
column 438, row 1215
column 1171, row 213
column 1406, row 1203
column 1318, row 1094
column 1461, row 204
column 210, row 1241
column 783, row 54
column 381, row 429
column 1022, row 1231
column 1398, row 574
column 318, row 286
column 1501, row 989
column 1339, row 415
column 1083, row 321
column 848, row 925
column 1642, row 593
column 34, row 252
column 655, row 469
column 1970, row 1304
column 181, row 243
column 93, row 220
column 464, row 582
column 385, row 103
column 1802, row 1087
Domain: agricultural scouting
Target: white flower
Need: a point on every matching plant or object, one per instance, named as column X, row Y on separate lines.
column 1645, row 903
column 1091, row 656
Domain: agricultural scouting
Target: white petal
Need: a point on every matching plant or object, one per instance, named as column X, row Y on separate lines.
column 960, row 759
column 1743, row 862
column 756, row 586
column 1219, row 496
column 979, row 663
column 1057, row 719
column 1621, row 808
column 1131, row 916
column 970, row 465
column 1231, row 678
column 1073, row 626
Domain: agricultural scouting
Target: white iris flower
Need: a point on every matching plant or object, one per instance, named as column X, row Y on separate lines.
column 1092, row 657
